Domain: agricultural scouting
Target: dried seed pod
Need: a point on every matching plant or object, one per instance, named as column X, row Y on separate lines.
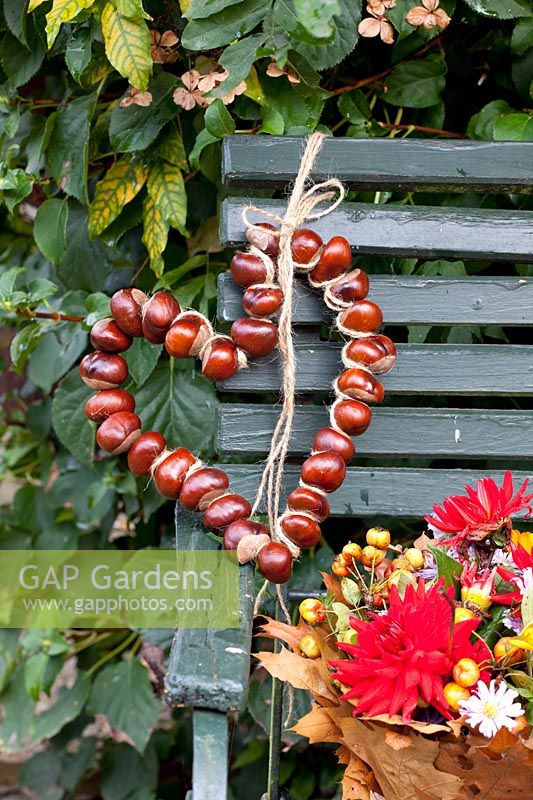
column 347, row 289
column 329, row 439
column 275, row 562
column 187, row 335
column 247, row 269
column 305, row 244
column 250, row 546
column 106, row 335
column 304, row 499
column 109, row 401
column 117, row 433
column 300, row 529
column 220, row 359
column 226, row 510
column 144, row 452
column 324, row 470
column 103, row 370
column 377, row 353
column 201, row 487
column 358, row 384
column 239, row 528
column 169, row 475
column 157, row 316
column 335, row 259
column 361, row 317
column 262, row 301
column 352, row 416
column 264, row 240
column 126, row 308
column 256, row 337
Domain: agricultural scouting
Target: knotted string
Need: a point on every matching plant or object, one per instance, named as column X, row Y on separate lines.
column 300, row 208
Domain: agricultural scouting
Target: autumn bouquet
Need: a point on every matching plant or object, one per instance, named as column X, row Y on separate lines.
column 419, row 659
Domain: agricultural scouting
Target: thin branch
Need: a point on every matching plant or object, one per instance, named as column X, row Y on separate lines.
column 55, row 315
column 422, row 128
column 362, row 82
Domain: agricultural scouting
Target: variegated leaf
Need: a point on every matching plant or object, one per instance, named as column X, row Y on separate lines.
column 63, row 11
column 172, row 150
column 121, row 183
column 33, row 4
column 167, row 189
column 127, row 45
column 155, row 235
column 132, row 8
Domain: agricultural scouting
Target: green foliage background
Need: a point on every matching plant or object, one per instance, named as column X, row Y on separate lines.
column 96, row 196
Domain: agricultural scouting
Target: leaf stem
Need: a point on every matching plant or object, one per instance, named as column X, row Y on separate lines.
column 54, row 315
column 421, row 128
column 112, row 653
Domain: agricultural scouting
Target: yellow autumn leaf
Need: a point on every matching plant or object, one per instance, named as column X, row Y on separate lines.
column 33, row 4
column 167, row 189
column 155, row 235
column 185, row 5
column 127, row 46
column 63, row 11
column 121, row 183
column 131, row 8
column 172, row 150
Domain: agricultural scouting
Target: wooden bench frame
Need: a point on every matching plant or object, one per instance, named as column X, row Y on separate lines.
column 208, row 670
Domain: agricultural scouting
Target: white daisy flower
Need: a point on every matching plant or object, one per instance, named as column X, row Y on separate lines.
column 491, row 707
column 525, row 581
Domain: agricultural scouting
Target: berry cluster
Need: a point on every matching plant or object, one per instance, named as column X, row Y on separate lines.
column 178, row 474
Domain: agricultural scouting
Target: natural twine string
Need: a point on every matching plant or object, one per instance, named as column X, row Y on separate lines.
column 300, row 208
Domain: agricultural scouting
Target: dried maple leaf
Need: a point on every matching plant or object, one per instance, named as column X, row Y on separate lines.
column 333, row 586
column 290, row 634
column 302, row 673
column 318, row 726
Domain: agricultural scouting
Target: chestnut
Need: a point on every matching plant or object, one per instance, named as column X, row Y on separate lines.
column 170, row 473
column 158, row 314
column 300, row 529
column 109, row 401
column 220, row 359
column 335, row 259
column 256, row 337
column 305, row 244
column 201, row 487
column 347, row 290
column 329, row 439
column 377, row 353
column 106, row 335
column 275, row 562
column 225, row 510
column 351, row 416
column 126, row 308
column 364, row 316
column 247, row 269
column 264, row 239
column 103, row 370
column 187, row 335
column 239, row 528
column 304, row 499
column 144, row 452
column 359, row 384
column 262, row 301
column 324, row 470
column 117, row 433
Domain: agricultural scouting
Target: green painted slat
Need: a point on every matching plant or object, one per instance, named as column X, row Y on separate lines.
column 408, row 164
column 416, row 231
column 210, row 760
column 378, row 492
column 420, row 368
column 454, row 433
column 412, row 300
column 209, row 668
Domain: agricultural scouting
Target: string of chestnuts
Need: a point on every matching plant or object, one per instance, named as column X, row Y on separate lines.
column 178, row 474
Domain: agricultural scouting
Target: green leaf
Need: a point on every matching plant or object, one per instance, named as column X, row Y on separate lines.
column 68, row 149
column 78, row 51
column 522, row 38
column 200, row 9
column 172, row 149
column 97, row 259
column 354, row 107
column 71, row 426
column 221, row 28
column 181, row 404
column 300, row 106
column 203, row 140
column 448, row 568
column 155, row 234
column 123, row 694
column 131, row 8
column 481, row 125
column 317, row 16
column 342, row 613
column 128, row 776
column 167, row 190
column 218, row 120
column 50, row 229
column 122, row 182
column 8, row 281
column 514, row 128
column 416, row 84
column 25, row 341
column 127, row 46
column 142, row 358
column 34, row 673
column 135, row 127
column 351, row 591
column 63, row 11
column 238, row 60
column 501, row 9
column 15, row 17
column 20, row 63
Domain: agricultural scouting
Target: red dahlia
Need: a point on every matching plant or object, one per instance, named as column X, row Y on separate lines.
column 406, row 654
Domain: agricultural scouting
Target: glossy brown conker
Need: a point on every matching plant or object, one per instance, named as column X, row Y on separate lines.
column 247, row 269
column 225, row 510
column 275, row 562
column 335, row 259
column 378, row 353
column 117, row 433
column 103, row 370
column 305, row 244
column 126, row 308
column 109, row 401
column 106, row 335
column 220, row 359
column 169, row 475
column 363, row 316
column 304, row 499
column 262, row 301
column 301, row 530
column 324, row 470
column 158, row 314
column 264, row 239
column 239, row 528
column 347, row 290
column 352, row 416
column 256, row 337
column 144, row 452
column 329, row 439
column 187, row 335
column 359, row 384
column 201, row 487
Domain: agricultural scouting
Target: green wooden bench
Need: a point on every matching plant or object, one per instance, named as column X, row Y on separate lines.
column 208, row 670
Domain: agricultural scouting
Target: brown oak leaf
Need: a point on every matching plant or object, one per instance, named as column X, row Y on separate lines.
column 302, row 673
